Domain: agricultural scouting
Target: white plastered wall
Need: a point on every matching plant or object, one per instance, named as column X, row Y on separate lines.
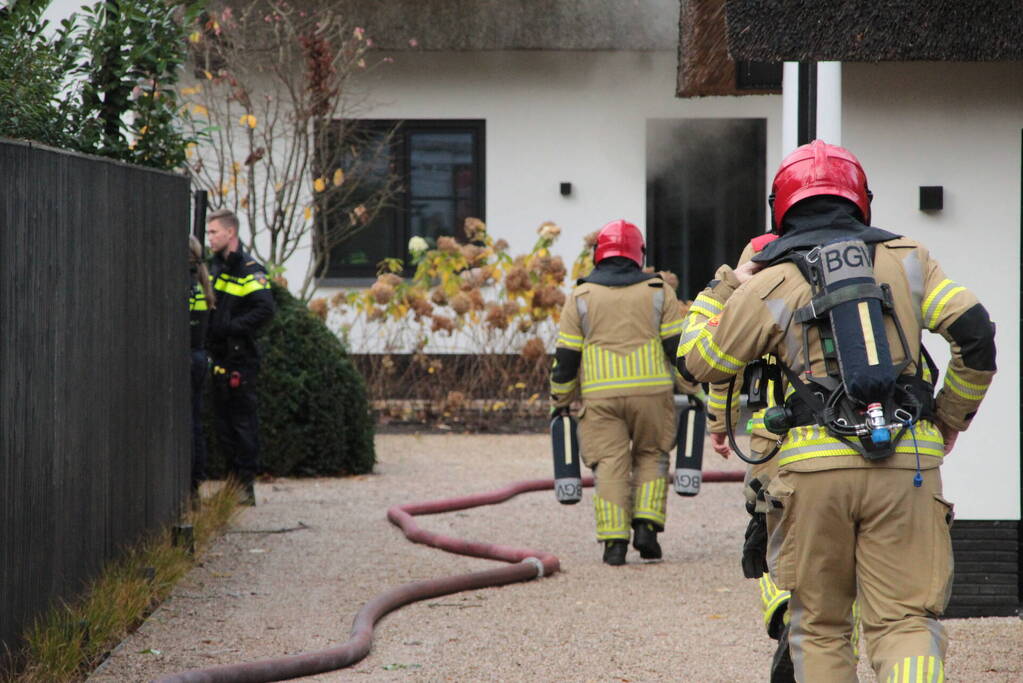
column 553, row 117
column 959, row 126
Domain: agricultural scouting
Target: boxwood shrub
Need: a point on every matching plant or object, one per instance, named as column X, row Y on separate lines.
column 314, row 417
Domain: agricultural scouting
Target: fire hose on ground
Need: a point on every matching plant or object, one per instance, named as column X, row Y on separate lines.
column 525, row 565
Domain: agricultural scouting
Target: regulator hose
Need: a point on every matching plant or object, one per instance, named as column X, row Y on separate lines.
column 528, row 565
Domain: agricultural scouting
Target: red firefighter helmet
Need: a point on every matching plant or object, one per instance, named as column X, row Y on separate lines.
column 619, row 238
column 818, row 169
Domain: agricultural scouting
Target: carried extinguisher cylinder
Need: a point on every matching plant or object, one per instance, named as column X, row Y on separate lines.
column 692, row 424
column 568, row 481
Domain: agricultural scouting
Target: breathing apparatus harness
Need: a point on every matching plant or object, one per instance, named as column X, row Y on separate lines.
column 863, row 400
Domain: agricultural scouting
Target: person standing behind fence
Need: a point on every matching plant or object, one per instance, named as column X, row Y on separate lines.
column 201, row 301
column 244, row 305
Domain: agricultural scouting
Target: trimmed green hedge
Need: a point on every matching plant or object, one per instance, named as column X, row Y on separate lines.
column 314, row 417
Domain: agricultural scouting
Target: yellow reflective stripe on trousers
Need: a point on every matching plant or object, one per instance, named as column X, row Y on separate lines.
column 645, row 366
column 968, row 390
column 813, row 441
column 651, row 501
column 918, row 669
column 571, row 341
column 611, row 524
column 934, row 303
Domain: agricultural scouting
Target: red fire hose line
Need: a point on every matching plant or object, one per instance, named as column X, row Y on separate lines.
column 528, row 565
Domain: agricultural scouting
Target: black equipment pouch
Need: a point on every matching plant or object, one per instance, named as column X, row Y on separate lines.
column 757, row 379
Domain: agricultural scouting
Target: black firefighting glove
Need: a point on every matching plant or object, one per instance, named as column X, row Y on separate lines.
column 754, row 548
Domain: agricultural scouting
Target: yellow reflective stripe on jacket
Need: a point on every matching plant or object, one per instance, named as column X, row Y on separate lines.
column 570, row 341
column 771, row 597
column 644, row 367
column 197, row 301
column 716, row 401
column 713, row 355
column 813, row 441
column 968, row 390
column 671, row 329
column 706, row 305
column 564, row 387
column 700, row 311
column 239, row 286
column 934, row 302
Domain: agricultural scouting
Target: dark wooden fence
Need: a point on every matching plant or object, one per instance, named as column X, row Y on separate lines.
column 94, row 394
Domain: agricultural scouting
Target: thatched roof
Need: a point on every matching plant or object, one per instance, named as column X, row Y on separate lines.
column 885, row 30
column 705, row 67
column 516, row 24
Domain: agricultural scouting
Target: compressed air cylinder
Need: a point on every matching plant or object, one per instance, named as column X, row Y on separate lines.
column 692, row 426
column 858, row 325
column 568, row 482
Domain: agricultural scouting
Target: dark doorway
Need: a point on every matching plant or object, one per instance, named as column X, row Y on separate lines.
column 706, row 194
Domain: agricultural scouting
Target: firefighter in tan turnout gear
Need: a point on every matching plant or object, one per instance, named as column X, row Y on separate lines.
column 774, row 601
column 619, row 331
column 855, row 510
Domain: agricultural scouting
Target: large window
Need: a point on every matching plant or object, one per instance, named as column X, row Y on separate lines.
column 439, row 165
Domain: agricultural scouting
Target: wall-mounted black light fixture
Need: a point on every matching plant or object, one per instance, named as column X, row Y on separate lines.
column 931, row 197
column 566, row 189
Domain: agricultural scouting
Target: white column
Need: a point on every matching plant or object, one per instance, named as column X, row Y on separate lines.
column 789, row 107
column 829, row 102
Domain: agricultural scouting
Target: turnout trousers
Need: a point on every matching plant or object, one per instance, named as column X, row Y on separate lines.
column 625, row 440
column 868, row 533
column 238, row 423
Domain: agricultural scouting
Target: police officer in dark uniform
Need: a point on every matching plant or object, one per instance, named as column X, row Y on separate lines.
column 244, row 305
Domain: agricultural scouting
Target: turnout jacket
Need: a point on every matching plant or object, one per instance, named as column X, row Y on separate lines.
column 616, row 340
column 730, row 325
column 244, row 305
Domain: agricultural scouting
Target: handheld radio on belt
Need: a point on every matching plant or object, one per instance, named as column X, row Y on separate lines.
column 692, row 425
column 568, row 482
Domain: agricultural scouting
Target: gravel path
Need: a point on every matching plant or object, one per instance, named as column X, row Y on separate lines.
column 691, row 617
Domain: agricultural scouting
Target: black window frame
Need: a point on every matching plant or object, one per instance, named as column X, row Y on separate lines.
column 363, row 274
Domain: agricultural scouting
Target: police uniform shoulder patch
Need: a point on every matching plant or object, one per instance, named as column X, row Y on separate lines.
column 260, row 278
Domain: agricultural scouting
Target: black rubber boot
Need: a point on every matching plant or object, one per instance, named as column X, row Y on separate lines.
column 248, row 496
column 614, row 552
column 782, row 670
column 644, row 539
